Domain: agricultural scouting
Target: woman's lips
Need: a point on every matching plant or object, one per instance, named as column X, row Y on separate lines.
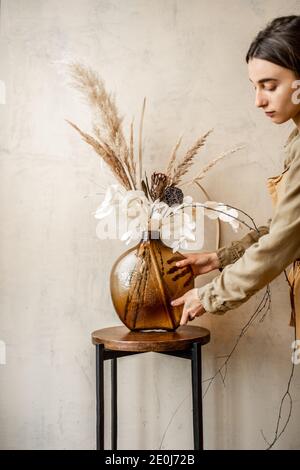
column 270, row 113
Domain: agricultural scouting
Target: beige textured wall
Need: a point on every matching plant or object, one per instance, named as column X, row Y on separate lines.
column 187, row 57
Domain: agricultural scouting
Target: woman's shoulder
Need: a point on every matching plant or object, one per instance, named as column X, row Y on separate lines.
column 292, row 136
column 292, row 147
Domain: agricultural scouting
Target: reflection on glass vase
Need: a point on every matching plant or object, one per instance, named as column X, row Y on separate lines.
column 143, row 282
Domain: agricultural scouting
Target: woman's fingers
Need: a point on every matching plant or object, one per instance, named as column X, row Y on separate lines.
column 192, row 306
column 188, row 315
column 183, row 262
column 184, row 318
column 178, row 301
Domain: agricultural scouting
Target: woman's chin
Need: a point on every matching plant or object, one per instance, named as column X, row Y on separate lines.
column 277, row 119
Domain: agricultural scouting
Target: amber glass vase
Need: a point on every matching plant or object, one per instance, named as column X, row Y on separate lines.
column 143, row 282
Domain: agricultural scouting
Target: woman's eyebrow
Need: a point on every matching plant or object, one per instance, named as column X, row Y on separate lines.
column 264, row 80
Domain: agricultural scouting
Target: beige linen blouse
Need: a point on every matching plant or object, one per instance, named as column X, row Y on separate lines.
column 254, row 261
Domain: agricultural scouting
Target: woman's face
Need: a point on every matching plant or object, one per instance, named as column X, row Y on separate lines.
column 274, row 90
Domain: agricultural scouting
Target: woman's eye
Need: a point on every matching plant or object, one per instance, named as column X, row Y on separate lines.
column 266, row 89
column 270, row 87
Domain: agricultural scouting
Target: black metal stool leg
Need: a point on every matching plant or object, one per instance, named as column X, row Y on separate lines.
column 114, row 404
column 100, row 397
column 197, row 396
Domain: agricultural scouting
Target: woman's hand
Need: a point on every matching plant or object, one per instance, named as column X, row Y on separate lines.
column 192, row 306
column 200, row 263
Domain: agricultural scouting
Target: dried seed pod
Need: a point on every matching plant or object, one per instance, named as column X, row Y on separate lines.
column 172, row 195
column 158, row 183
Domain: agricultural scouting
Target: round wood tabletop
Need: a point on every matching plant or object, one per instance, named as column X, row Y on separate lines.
column 119, row 338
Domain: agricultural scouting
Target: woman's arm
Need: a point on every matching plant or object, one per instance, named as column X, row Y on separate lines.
column 266, row 258
column 230, row 254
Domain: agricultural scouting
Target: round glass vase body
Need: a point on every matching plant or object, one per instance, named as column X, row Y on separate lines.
column 143, row 282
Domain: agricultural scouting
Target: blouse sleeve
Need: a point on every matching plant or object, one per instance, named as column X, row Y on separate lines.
column 266, row 258
column 230, row 254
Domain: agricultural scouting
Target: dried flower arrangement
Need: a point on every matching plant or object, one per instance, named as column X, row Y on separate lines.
column 157, row 198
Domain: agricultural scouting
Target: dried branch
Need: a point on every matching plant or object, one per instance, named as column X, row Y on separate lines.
column 265, row 303
column 106, row 121
column 286, row 395
column 104, row 151
column 212, row 163
column 131, row 155
column 141, row 143
column 172, row 159
column 188, row 160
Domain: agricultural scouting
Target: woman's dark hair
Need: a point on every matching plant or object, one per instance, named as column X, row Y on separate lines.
column 279, row 42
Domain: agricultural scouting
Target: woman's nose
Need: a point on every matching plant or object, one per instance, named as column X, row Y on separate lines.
column 260, row 99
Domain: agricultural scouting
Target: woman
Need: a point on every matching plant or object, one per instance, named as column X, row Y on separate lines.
column 250, row 264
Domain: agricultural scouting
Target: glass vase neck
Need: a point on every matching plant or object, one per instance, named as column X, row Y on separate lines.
column 150, row 235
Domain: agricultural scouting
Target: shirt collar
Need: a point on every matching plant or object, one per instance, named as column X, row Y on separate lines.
column 291, row 137
column 294, row 135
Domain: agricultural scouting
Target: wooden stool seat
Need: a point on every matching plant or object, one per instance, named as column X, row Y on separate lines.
column 119, row 338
